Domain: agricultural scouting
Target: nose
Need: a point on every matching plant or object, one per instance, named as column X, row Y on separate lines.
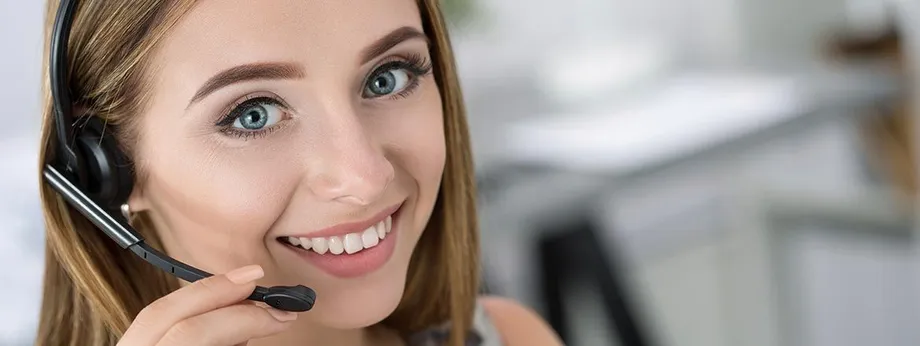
column 351, row 167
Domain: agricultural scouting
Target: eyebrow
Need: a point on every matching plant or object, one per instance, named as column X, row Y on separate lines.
column 248, row 72
column 287, row 70
column 395, row 37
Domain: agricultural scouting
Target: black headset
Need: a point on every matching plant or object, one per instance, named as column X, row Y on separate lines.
column 95, row 177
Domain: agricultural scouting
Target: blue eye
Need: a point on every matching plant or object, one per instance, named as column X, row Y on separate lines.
column 387, row 82
column 258, row 116
column 254, row 117
column 397, row 78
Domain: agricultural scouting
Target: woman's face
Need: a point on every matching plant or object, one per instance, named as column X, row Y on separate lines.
column 274, row 123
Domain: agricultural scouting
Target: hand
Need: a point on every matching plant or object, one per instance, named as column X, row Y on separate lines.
column 210, row 311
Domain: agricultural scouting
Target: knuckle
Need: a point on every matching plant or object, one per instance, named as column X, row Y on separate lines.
column 264, row 322
column 209, row 285
column 241, row 313
column 184, row 331
column 154, row 310
column 141, row 322
column 256, row 317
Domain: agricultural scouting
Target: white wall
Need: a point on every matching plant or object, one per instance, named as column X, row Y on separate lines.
column 21, row 250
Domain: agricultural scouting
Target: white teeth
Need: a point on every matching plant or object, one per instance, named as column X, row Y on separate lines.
column 350, row 243
column 319, row 245
column 336, row 247
column 353, row 243
column 381, row 230
column 369, row 239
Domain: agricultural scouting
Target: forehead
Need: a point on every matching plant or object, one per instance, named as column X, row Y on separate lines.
column 218, row 34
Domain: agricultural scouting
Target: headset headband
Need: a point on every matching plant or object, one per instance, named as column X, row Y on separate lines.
column 60, row 91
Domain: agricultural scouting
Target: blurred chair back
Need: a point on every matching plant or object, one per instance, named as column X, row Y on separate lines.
column 889, row 134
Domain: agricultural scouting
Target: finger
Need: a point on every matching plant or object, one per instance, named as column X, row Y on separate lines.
column 229, row 326
column 197, row 298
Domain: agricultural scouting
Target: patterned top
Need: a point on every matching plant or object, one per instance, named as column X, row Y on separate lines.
column 484, row 333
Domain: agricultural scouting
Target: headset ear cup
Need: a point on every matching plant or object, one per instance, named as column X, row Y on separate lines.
column 110, row 175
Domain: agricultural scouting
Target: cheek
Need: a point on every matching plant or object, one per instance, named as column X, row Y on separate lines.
column 422, row 153
column 226, row 194
column 417, row 147
column 429, row 167
column 218, row 199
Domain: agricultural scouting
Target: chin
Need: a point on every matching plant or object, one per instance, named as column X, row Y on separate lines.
column 358, row 305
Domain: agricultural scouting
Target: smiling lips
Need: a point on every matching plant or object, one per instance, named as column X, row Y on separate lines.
column 350, row 243
column 350, row 250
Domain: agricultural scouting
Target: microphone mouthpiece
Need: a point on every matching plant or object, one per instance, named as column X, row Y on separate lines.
column 290, row 298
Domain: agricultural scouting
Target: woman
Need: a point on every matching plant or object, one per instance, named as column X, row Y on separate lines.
column 278, row 142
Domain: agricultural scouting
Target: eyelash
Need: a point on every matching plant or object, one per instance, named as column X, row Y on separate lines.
column 416, row 65
column 226, row 122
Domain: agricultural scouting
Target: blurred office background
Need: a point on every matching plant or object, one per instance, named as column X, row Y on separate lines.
column 657, row 172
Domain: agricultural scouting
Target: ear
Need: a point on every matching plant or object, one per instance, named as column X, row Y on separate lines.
column 137, row 200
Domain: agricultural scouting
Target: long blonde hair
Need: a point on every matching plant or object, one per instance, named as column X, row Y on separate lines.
column 93, row 289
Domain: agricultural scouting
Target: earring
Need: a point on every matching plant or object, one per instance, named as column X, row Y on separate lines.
column 126, row 212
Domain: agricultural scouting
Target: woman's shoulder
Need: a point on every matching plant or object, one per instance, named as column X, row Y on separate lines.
column 515, row 323
column 496, row 322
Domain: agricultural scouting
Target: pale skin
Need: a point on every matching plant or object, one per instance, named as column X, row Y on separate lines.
column 314, row 141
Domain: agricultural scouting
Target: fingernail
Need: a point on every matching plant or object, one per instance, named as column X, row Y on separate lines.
column 245, row 274
column 283, row 316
